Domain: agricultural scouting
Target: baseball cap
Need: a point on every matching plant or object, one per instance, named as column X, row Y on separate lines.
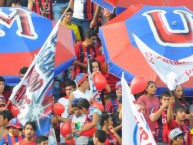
column 118, row 85
column 80, row 78
column 2, row 100
column 15, row 123
column 175, row 133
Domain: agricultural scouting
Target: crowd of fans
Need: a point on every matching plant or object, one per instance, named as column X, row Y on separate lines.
column 169, row 116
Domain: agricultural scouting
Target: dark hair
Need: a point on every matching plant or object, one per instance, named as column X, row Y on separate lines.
column 70, row 83
column 112, row 95
column 23, row 70
column 178, row 107
column 175, row 138
column 76, row 105
column 105, row 116
column 180, row 101
column 148, row 84
column 16, row 1
column 40, row 139
column 90, row 33
column 101, row 135
column 91, row 67
column 84, row 103
column 2, row 79
column 6, row 114
column 32, row 123
column 165, row 93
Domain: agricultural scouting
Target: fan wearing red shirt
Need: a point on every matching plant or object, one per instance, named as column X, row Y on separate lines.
column 179, row 122
column 85, row 50
column 106, row 123
column 162, row 115
column 29, row 131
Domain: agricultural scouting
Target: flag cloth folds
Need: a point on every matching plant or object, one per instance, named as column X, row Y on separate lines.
column 135, row 130
column 171, row 72
column 34, row 94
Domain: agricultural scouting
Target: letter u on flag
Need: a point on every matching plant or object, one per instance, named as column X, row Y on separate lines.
column 34, row 94
column 135, row 130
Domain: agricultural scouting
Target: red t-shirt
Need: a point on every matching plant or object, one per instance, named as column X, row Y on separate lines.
column 184, row 128
column 23, row 142
column 82, row 52
column 149, row 103
column 111, row 140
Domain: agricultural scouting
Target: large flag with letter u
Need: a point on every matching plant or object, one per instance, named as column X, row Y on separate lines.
column 135, row 130
column 171, row 72
column 34, row 94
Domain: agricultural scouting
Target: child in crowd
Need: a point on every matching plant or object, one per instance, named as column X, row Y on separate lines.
column 41, row 140
column 176, row 137
column 162, row 115
column 15, row 132
column 179, row 122
column 5, row 117
column 29, row 132
column 99, row 137
column 77, row 121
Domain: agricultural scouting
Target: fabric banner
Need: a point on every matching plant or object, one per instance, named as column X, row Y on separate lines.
column 34, row 94
column 135, row 130
column 171, row 72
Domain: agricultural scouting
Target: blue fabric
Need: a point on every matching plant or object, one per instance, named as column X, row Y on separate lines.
column 83, row 25
column 57, row 10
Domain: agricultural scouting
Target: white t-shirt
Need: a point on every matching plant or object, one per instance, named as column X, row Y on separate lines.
column 79, row 94
column 77, row 123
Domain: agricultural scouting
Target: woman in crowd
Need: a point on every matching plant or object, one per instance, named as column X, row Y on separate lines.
column 150, row 101
column 106, row 123
column 95, row 67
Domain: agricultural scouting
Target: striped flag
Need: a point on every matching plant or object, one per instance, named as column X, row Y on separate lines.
column 135, row 130
column 34, row 94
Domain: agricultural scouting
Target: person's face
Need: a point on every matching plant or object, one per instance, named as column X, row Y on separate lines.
column 179, row 91
column 93, row 40
column 2, row 121
column 151, row 89
column 77, row 111
column 142, row 108
column 165, row 99
column 2, row 86
column 14, row 131
column 15, row 5
column 69, row 90
column 110, row 122
column 85, row 84
column 119, row 92
column 29, row 132
column 95, row 139
column 68, row 16
column 180, row 115
column 21, row 76
column 44, row 142
column 84, row 110
column 179, row 140
column 95, row 66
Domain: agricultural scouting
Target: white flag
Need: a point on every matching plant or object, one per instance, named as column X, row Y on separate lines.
column 171, row 72
column 34, row 94
column 135, row 130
